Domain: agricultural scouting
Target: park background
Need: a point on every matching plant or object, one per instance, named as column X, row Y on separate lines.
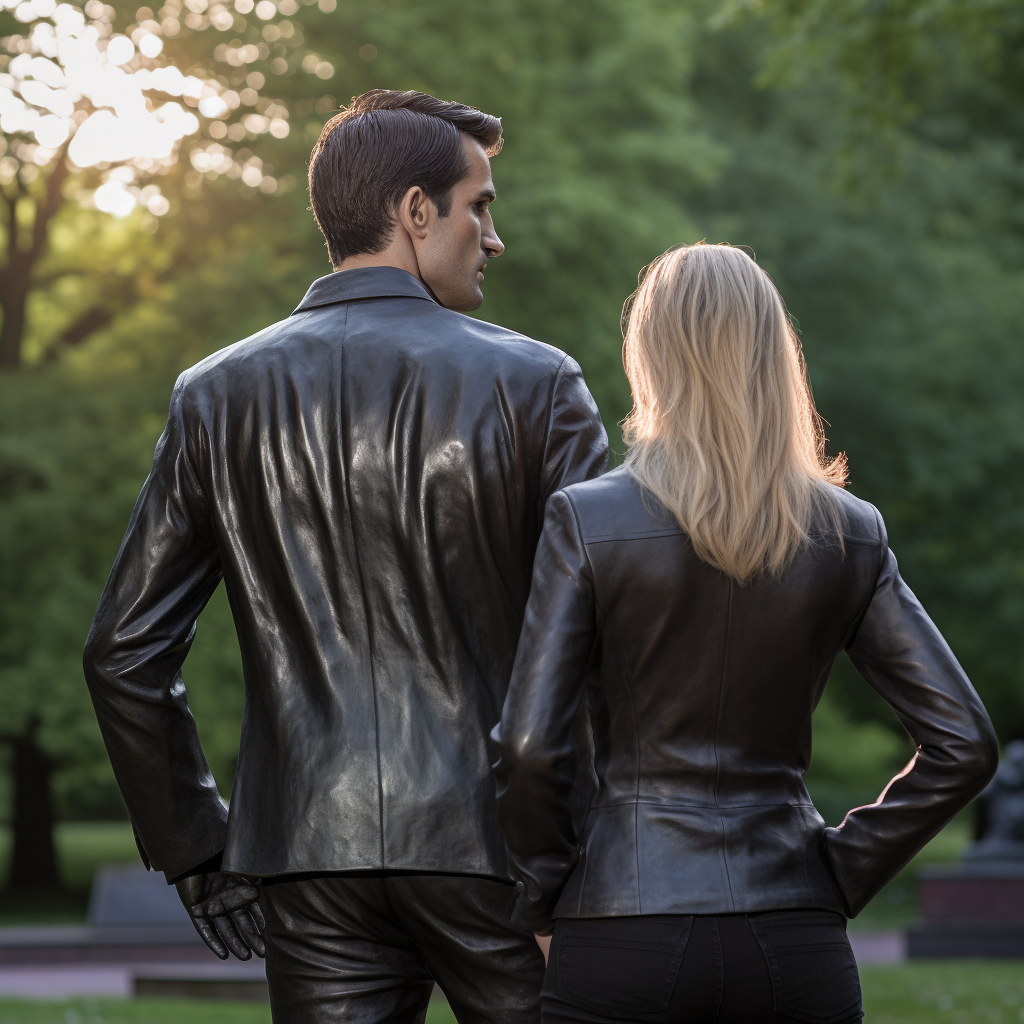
column 870, row 153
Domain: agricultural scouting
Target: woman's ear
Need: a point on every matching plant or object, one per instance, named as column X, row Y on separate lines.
column 414, row 212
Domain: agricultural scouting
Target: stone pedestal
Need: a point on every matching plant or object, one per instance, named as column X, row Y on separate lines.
column 974, row 910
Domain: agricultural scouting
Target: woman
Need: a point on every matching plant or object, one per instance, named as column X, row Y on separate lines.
column 695, row 600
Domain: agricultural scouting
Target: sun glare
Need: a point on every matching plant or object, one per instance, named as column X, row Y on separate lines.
column 121, row 104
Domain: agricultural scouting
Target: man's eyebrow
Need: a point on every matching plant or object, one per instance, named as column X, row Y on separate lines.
column 487, row 193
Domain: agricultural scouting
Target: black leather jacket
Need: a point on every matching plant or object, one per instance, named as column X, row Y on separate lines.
column 368, row 477
column 700, row 694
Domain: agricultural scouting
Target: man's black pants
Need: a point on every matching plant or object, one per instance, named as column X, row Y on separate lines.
column 777, row 968
column 367, row 949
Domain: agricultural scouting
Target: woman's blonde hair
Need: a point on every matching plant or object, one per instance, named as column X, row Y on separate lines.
column 723, row 429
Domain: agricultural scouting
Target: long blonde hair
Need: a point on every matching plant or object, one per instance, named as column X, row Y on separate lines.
column 723, row 429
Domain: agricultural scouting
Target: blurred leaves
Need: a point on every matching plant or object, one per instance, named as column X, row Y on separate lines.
column 869, row 153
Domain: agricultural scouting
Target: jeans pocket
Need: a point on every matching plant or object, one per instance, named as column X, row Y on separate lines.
column 625, row 965
column 814, row 973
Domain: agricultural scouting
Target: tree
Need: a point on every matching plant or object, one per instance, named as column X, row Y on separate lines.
column 628, row 128
column 877, row 172
column 94, row 123
column 79, row 431
column 99, row 116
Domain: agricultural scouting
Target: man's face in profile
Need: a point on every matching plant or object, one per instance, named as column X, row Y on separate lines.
column 457, row 247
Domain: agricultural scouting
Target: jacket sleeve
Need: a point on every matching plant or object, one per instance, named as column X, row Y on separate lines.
column 535, row 735
column 165, row 571
column 904, row 658
column 576, row 445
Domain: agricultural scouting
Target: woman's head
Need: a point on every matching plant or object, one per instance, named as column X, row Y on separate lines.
column 723, row 429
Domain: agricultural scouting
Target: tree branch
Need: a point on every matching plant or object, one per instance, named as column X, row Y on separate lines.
column 11, row 224
column 50, row 205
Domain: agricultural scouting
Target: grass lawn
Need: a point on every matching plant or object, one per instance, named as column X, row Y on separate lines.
column 155, row 1011
column 929, row 992
column 943, row 992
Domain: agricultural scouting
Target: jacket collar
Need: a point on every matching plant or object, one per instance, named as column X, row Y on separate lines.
column 362, row 283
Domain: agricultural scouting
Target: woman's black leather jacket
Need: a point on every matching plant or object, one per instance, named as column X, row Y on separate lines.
column 700, row 694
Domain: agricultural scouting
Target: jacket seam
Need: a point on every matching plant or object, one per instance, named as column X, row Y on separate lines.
column 600, row 616
column 632, row 708
column 709, row 807
column 190, row 470
column 718, row 722
column 547, row 429
column 586, row 553
column 323, row 303
column 883, row 551
column 346, row 441
column 613, row 538
column 883, row 546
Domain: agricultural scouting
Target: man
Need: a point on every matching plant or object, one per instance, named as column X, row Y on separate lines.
column 368, row 477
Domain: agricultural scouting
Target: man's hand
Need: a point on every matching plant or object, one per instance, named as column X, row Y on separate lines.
column 224, row 908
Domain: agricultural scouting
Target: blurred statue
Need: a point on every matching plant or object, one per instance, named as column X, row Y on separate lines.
column 1000, row 828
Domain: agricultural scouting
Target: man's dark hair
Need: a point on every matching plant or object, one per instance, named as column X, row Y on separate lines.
column 374, row 151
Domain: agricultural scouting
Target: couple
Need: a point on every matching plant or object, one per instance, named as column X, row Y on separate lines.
column 407, row 509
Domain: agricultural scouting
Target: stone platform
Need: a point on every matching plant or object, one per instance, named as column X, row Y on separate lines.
column 974, row 910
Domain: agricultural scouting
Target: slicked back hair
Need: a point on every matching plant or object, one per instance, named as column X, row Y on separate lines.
column 384, row 143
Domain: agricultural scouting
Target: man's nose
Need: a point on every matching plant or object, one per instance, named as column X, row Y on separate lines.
column 491, row 243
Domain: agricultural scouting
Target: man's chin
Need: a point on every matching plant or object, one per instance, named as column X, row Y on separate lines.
column 465, row 302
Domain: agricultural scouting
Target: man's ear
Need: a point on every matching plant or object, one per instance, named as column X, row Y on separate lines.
column 415, row 212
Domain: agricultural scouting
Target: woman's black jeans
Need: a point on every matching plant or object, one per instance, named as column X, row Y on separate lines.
column 774, row 968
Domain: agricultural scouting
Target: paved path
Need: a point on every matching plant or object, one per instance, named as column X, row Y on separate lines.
column 48, row 964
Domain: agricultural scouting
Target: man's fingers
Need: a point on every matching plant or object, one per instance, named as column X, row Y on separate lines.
column 247, row 930
column 209, row 936
column 236, row 897
column 257, row 915
column 230, row 938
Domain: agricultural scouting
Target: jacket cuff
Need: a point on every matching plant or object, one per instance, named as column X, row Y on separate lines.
column 532, row 916
column 141, row 848
column 826, row 836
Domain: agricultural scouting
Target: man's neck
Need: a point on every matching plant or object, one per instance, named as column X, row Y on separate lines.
column 402, row 257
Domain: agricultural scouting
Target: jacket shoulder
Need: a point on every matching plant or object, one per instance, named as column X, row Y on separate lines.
column 500, row 342
column 238, row 362
column 616, row 507
column 862, row 521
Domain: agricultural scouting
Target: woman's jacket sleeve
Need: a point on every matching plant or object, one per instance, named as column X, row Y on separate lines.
column 904, row 658
column 535, row 735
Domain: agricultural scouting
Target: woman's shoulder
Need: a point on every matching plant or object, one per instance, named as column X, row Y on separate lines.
column 862, row 522
column 615, row 507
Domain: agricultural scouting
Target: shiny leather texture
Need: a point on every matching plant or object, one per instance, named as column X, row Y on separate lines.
column 368, row 477
column 365, row 949
column 700, row 694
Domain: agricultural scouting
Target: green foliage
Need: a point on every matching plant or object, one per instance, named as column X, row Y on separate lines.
column 961, row 992
column 870, row 154
column 601, row 139
column 919, row 992
column 899, row 247
column 852, row 761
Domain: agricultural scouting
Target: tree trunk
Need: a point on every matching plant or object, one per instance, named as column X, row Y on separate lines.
column 13, row 301
column 34, row 859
